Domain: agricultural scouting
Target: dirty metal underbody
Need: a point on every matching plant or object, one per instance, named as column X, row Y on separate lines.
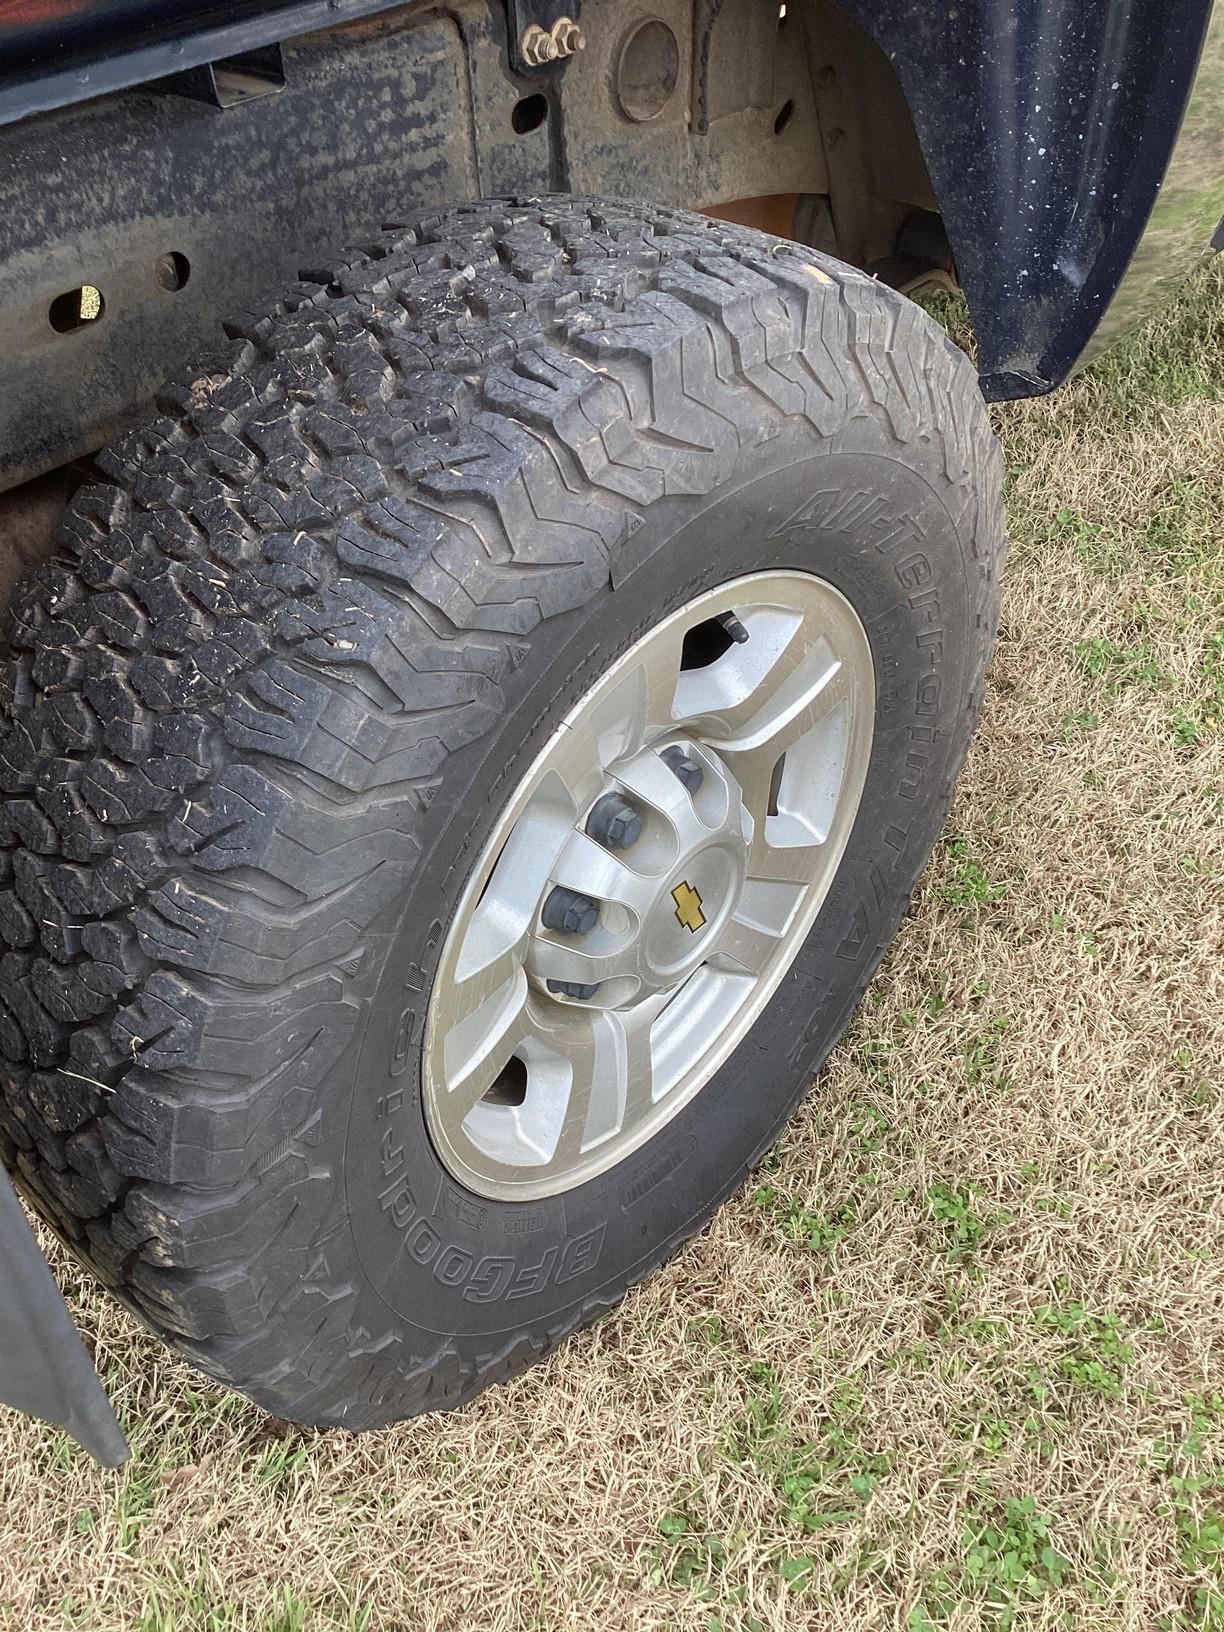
column 405, row 111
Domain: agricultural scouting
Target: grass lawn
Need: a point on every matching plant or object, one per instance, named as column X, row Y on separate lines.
column 956, row 1360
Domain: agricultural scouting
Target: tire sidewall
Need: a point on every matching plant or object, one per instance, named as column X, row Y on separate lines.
column 896, row 538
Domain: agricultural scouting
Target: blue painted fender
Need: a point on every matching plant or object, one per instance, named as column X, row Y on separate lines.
column 1047, row 128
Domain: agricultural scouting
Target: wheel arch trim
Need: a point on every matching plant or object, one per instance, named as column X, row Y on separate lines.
column 1048, row 131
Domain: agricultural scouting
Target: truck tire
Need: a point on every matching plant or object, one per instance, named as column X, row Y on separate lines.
column 460, row 770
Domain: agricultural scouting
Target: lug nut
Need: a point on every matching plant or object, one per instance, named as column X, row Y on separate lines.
column 570, row 913
column 683, row 766
column 572, row 988
column 614, row 822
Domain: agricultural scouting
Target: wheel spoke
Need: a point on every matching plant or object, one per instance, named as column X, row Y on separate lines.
column 777, row 863
column 743, row 948
column 590, row 869
column 578, row 758
column 612, row 1080
column 728, row 692
column 764, row 913
column 646, row 695
column 800, row 705
column 469, row 994
column 573, row 959
column 585, row 1087
column 476, row 1050
column 495, row 938
column 635, row 1051
column 638, row 707
column 649, row 781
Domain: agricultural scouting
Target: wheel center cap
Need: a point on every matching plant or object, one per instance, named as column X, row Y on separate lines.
column 634, row 908
column 693, row 904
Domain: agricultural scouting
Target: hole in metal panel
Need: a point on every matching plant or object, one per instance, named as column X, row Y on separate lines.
column 76, row 309
column 529, row 113
column 172, row 270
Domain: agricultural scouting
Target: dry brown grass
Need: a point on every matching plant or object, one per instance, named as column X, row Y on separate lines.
column 974, row 1308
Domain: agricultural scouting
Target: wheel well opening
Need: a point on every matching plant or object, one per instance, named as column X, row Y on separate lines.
column 865, row 193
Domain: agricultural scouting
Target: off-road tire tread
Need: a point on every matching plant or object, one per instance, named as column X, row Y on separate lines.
column 299, row 589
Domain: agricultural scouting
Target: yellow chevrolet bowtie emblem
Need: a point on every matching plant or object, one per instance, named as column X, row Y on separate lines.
column 688, row 907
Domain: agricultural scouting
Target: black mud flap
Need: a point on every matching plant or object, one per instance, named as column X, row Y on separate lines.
column 44, row 1369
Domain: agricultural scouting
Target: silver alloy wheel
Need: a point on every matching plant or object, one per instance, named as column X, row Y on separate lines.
column 648, row 885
